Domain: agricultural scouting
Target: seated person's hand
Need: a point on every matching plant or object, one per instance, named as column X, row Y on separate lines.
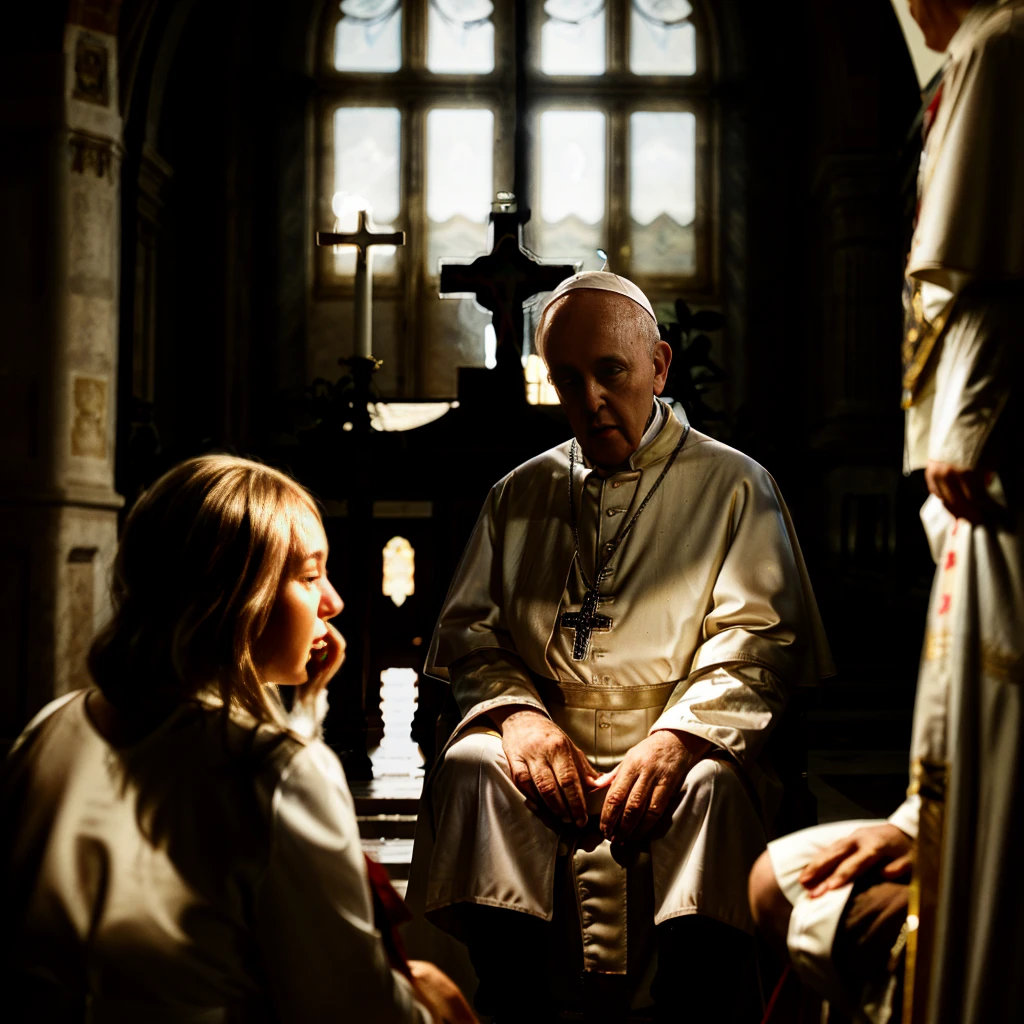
column 881, row 846
column 642, row 786
column 547, row 767
column 439, row 994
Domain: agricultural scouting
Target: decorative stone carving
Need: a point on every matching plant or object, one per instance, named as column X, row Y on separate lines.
column 89, row 153
column 92, row 76
column 89, row 419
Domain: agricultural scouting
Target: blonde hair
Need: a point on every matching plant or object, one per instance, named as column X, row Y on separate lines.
column 198, row 567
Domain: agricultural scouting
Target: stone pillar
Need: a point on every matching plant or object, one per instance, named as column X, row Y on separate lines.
column 60, row 130
column 858, row 428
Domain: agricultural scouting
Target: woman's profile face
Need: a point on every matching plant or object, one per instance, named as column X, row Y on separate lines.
column 297, row 632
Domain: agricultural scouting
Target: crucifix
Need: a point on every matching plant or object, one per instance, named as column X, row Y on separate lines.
column 350, row 704
column 363, row 238
column 583, row 623
column 503, row 279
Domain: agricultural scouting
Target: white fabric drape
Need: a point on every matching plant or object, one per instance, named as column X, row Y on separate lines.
column 211, row 872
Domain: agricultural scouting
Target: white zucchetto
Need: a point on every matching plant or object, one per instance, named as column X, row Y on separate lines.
column 602, row 281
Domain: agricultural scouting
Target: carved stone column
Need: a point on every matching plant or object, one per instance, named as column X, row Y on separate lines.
column 60, row 133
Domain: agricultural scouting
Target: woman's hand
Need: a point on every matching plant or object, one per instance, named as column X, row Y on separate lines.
column 439, row 994
column 322, row 670
column 849, row 858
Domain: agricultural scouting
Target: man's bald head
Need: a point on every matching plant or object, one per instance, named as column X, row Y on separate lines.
column 607, row 361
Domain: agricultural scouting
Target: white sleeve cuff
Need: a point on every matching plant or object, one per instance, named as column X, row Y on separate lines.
column 905, row 817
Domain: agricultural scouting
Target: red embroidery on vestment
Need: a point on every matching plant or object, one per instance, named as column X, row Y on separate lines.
column 950, row 560
column 945, row 603
column 929, row 114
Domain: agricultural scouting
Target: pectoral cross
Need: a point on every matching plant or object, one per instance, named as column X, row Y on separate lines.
column 363, row 238
column 585, row 622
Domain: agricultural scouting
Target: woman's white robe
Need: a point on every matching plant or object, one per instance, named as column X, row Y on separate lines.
column 210, row 873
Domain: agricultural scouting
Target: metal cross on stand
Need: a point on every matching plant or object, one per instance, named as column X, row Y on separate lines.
column 584, row 622
column 363, row 238
column 349, row 729
column 503, row 279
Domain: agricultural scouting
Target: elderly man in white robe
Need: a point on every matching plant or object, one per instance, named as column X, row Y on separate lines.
column 628, row 621
column 836, row 898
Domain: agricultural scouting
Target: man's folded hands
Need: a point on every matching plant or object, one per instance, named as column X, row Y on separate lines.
column 555, row 776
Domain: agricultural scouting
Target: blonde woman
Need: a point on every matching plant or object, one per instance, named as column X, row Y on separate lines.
column 174, row 851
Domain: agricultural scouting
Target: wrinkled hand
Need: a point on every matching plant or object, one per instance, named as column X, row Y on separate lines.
column 962, row 491
column 439, row 994
column 643, row 785
column 547, row 767
column 868, row 847
column 320, row 673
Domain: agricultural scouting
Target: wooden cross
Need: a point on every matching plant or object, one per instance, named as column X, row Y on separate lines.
column 505, row 278
column 363, row 238
column 584, row 622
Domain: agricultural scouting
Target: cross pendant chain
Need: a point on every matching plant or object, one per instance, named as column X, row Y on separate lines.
column 585, row 622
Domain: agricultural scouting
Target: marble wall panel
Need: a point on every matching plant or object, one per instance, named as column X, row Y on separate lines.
column 91, row 237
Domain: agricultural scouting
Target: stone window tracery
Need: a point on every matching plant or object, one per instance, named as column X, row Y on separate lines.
column 418, row 121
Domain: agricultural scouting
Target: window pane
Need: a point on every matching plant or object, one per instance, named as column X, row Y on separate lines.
column 460, row 182
column 367, row 148
column 539, row 390
column 572, row 37
column 572, row 186
column 369, row 36
column 661, row 40
column 662, row 192
column 460, row 37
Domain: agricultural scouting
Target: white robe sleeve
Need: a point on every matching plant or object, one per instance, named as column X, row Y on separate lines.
column 906, row 816
column 761, row 635
column 493, row 678
column 734, row 708
column 323, row 957
column 979, row 369
column 473, row 646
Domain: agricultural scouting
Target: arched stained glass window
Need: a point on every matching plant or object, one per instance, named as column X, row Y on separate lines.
column 399, row 577
column 417, row 102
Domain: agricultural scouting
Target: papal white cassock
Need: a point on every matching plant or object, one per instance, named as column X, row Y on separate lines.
column 964, row 408
column 963, row 377
column 713, row 625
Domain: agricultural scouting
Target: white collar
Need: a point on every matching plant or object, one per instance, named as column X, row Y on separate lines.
column 661, row 414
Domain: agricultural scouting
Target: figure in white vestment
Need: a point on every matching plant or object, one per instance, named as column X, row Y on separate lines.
column 174, row 851
column 629, row 619
column 839, row 896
